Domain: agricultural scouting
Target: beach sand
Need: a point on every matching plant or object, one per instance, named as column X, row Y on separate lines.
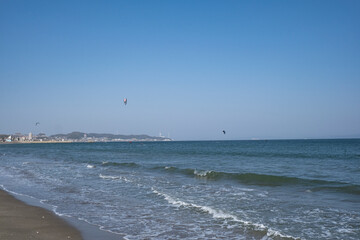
column 19, row 221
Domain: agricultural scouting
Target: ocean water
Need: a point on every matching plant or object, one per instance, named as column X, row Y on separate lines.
column 288, row 189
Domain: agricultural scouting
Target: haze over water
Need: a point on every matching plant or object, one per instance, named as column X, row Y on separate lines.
column 290, row 189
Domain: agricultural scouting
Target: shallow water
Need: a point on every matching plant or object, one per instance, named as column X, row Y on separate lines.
column 298, row 189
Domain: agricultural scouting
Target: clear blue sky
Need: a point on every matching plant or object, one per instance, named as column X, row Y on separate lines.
column 258, row 69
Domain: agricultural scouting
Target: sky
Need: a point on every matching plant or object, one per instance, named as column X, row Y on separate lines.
column 189, row 69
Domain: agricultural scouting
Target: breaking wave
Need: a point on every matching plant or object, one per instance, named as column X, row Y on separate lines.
column 219, row 214
column 267, row 180
column 251, row 178
column 114, row 177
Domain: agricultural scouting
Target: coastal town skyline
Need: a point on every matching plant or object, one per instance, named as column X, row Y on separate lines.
column 78, row 137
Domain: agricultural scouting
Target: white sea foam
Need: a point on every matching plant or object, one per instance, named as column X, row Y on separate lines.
column 15, row 193
column 345, row 230
column 219, row 214
column 54, row 209
column 246, row 189
column 102, row 228
column 239, row 194
column 202, row 173
column 127, row 180
column 114, row 177
column 108, row 177
column 90, row 166
column 262, row 194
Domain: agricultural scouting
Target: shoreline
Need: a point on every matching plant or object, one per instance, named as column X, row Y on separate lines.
column 22, row 217
column 19, row 221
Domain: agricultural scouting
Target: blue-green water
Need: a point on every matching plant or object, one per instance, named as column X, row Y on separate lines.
column 298, row 189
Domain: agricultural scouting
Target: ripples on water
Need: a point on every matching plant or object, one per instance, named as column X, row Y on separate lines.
column 196, row 190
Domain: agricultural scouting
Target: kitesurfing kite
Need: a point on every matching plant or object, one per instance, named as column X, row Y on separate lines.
column 125, row 101
column 224, row 132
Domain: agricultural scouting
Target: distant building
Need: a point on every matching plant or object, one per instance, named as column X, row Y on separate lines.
column 30, row 136
column 18, row 137
column 42, row 137
column 3, row 137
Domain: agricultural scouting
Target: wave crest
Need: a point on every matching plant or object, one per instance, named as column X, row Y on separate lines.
column 267, row 180
column 219, row 214
column 121, row 164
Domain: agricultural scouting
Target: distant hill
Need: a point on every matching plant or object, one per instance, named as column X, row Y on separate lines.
column 81, row 135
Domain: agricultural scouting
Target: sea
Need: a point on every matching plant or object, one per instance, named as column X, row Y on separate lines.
column 265, row 189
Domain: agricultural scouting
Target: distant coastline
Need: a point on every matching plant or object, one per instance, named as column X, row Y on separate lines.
column 77, row 137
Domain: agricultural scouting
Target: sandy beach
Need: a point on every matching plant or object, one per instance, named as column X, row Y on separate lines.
column 19, row 221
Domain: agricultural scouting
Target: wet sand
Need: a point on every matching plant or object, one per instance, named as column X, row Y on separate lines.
column 19, row 221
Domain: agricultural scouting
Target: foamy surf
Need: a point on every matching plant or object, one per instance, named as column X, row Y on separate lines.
column 109, row 177
column 206, row 190
column 219, row 214
column 203, row 174
column 115, row 178
column 35, row 201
